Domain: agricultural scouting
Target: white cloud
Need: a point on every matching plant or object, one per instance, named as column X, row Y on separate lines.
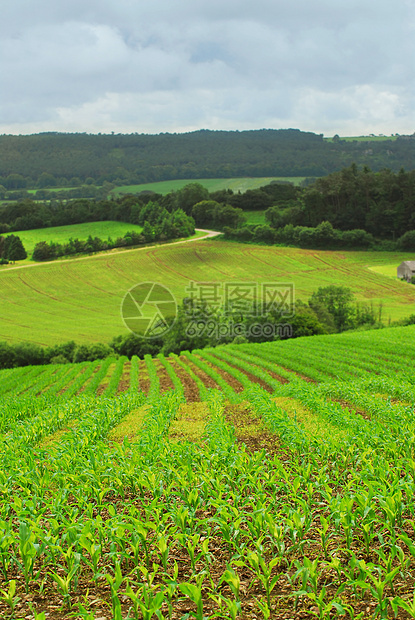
column 329, row 66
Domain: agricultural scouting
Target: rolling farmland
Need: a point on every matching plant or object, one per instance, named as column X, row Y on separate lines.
column 80, row 299
column 245, row 481
column 62, row 234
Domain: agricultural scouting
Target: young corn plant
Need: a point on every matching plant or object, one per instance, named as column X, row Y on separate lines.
column 9, row 596
column 194, row 593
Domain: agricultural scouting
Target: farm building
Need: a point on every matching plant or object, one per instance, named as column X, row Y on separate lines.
column 406, row 270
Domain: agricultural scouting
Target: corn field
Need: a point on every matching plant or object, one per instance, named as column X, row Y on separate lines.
column 247, row 481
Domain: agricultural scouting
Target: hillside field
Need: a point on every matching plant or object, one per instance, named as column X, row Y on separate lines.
column 62, row 234
column 212, row 185
column 246, row 481
column 80, row 299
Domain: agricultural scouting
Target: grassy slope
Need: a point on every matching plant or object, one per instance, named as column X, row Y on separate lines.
column 62, row 234
column 213, row 185
column 255, row 217
column 81, row 299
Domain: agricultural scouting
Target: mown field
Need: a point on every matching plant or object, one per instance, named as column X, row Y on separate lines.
column 80, row 299
column 62, row 234
column 251, row 482
column 239, row 184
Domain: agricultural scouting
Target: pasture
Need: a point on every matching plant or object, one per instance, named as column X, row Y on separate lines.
column 80, row 299
column 255, row 217
column 240, row 184
column 250, row 482
column 62, row 234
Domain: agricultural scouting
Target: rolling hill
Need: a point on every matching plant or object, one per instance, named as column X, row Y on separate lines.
column 80, row 299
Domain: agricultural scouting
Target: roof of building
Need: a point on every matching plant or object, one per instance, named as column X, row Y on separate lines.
column 410, row 263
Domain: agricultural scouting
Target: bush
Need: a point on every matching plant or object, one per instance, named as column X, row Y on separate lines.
column 407, row 241
column 92, row 352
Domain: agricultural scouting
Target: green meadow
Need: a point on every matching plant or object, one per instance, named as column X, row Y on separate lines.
column 213, row 185
column 80, row 299
column 62, row 234
column 255, row 217
column 363, row 138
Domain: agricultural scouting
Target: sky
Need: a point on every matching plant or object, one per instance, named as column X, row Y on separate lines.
column 342, row 67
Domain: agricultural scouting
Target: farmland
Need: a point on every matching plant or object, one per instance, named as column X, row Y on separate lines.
column 245, row 481
column 212, row 185
column 62, row 234
column 80, row 299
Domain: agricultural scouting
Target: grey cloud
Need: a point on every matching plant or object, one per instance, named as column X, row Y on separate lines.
column 161, row 66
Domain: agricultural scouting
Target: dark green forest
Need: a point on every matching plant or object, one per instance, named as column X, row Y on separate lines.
column 50, row 160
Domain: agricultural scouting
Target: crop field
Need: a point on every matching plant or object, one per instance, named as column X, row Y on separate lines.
column 250, row 482
column 213, row 185
column 62, row 234
column 80, row 299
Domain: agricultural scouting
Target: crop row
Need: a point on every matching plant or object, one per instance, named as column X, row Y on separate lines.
column 317, row 359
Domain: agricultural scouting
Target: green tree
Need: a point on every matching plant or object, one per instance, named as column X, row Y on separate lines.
column 14, row 249
column 338, row 302
column 148, row 232
column 189, row 195
column 42, row 251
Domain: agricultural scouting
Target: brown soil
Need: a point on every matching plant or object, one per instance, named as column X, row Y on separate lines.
column 230, row 380
column 251, row 377
column 208, row 381
column 346, row 405
column 272, row 374
column 165, row 381
column 191, row 391
column 243, row 420
column 101, row 388
column 143, row 378
column 124, row 383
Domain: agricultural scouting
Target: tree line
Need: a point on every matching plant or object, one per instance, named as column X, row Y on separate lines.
column 329, row 310
column 169, row 226
column 67, row 160
column 350, row 208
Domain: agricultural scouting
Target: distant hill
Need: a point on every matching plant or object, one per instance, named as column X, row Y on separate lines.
column 57, row 159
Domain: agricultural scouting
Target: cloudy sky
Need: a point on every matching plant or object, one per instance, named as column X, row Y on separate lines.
column 150, row 66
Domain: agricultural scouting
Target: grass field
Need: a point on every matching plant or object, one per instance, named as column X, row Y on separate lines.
column 80, row 299
column 62, row 234
column 243, row 482
column 364, row 138
column 255, row 217
column 213, row 185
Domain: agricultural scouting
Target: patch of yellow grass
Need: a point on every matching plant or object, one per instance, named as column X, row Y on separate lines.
column 314, row 425
column 52, row 440
column 130, row 426
column 190, row 423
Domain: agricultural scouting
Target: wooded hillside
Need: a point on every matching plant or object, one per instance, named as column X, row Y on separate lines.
column 54, row 159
